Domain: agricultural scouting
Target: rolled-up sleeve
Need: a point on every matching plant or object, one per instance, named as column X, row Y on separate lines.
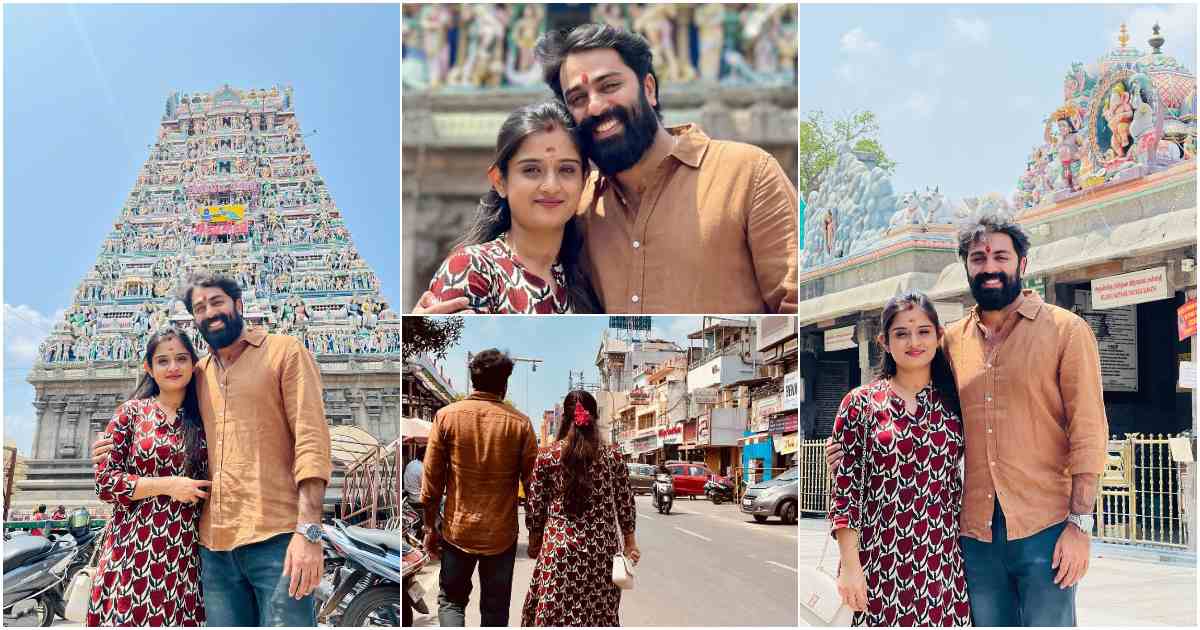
column 1082, row 388
column 305, row 411
column 114, row 483
column 772, row 226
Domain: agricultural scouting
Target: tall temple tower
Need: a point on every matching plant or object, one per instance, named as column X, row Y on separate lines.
column 229, row 187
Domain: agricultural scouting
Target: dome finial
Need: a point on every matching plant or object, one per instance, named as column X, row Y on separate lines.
column 1123, row 38
column 1157, row 40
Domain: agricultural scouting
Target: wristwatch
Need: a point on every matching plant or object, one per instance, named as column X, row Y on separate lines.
column 1083, row 521
column 310, row 531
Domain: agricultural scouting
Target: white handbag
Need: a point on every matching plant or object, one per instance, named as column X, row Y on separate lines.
column 820, row 603
column 79, row 592
column 623, row 574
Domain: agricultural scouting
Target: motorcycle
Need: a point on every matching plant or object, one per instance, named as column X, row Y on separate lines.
column 35, row 576
column 414, row 594
column 363, row 572
column 414, row 521
column 718, row 490
column 664, row 493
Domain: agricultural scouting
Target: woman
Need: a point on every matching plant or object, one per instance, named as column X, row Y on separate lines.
column 897, row 491
column 39, row 515
column 149, row 568
column 578, row 493
column 522, row 252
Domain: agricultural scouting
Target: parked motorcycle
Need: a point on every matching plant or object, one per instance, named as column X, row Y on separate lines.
column 414, row 594
column 664, row 493
column 35, row 575
column 413, row 519
column 718, row 490
column 363, row 575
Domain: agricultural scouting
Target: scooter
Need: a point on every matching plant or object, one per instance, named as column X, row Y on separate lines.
column 35, row 574
column 363, row 575
column 718, row 490
column 664, row 493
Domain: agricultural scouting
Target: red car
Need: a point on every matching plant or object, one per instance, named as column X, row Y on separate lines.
column 689, row 477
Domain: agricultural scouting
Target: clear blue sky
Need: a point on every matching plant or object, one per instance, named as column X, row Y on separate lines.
column 962, row 90
column 564, row 344
column 84, row 90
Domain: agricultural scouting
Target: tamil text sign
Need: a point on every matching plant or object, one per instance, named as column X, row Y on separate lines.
column 1147, row 285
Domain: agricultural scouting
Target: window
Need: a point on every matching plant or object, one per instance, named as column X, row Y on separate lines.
column 696, row 471
column 262, row 122
column 227, row 121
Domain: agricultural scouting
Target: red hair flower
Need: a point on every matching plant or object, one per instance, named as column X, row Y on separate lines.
column 582, row 416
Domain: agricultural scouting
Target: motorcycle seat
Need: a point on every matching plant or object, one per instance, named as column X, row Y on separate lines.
column 21, row 548
column 389, row 541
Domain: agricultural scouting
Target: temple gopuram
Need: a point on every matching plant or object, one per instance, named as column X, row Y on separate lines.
column 1109, row 201
column 229, row 187
column 731, row 68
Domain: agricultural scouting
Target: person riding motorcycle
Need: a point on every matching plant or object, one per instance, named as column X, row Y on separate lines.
column 661, row 469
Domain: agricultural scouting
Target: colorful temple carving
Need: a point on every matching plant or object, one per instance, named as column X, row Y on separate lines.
column 1127, row 115
column 228, row 187
column 474, row 46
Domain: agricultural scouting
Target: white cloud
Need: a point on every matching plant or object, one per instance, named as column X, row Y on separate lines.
column 973, row 30
column 922, row 104
column 856, row 40
column 929, row 62
column 24, row 329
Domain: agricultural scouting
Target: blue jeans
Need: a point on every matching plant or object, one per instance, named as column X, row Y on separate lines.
column 1010, row 582
column 495, row 580
column 245, row 587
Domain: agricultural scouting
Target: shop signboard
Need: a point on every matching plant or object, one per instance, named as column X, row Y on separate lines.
column 1116, row 338
column 1147, row 285
column 707, row 396
column 671, row 435
column 786, row 444
column 784, row 423
column 702, row 430
column 639, row 397
column 1187, row 319
column 839, row 339
column 792, row 393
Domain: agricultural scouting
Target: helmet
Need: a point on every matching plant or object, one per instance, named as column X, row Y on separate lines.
column 79, row 521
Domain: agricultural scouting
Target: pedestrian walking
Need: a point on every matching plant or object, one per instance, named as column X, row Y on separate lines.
column 478, row 450
column 579, row 502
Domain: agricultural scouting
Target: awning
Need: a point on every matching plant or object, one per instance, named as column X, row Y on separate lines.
column 1167, row 231
column 415, row 429
column 862, row 298
column 350, row 443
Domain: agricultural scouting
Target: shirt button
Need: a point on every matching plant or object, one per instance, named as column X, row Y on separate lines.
column 989, row 430
column 636, row 299
column 987, row 398
column 988, row 366
column 637, row 244
column 989, row 496
column 993, row 463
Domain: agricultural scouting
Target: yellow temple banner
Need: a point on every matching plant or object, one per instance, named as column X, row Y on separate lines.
column 228, row 213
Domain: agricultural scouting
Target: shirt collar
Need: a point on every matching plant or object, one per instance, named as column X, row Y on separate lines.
column 690, row 146
column 478, row 395
column 1028, row 304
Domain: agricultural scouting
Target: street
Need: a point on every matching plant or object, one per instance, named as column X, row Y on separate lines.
column 702, row 565
column 1118, row 590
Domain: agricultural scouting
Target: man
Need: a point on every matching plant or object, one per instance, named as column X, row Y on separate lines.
column 413, row 473
column 478, row 449
column 1029, row 383
column 270, row 459
column 674, row 222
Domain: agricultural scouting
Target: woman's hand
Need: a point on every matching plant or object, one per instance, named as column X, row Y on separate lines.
column 187, row 490
column 852, row 586
column 632, row 552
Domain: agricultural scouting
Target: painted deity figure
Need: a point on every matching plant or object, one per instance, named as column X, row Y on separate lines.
column 611, row 14
column 1119, row 113
column 655, row 22
column 524, row 36
column 710, row 20
column 830, row 231
column 1068, row 147
column 435, row 27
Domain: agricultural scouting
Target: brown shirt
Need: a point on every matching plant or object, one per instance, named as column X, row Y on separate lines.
column 265, row 424
column 1033, row 414
column 715, row 232
column 479, row 448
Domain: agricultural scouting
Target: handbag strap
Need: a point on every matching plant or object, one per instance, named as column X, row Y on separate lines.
column 866, row 479
column 617, row 520
column 99, row 543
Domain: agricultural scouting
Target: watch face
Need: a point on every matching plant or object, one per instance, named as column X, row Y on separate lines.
column 312, row 532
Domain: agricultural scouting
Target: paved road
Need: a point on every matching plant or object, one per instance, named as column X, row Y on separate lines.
column 702, row 565
column 1117, row 590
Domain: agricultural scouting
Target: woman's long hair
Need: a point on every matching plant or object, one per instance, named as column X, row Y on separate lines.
column 942, row 375
column 189, row 415
column 493, row 216
column 581, row 448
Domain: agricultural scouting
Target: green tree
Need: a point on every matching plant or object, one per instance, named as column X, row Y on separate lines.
column 430, row 335
column 820, row 137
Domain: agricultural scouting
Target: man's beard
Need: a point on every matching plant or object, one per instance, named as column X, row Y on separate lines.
column 227, row 335
column 995, row 299
column 620, row 152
